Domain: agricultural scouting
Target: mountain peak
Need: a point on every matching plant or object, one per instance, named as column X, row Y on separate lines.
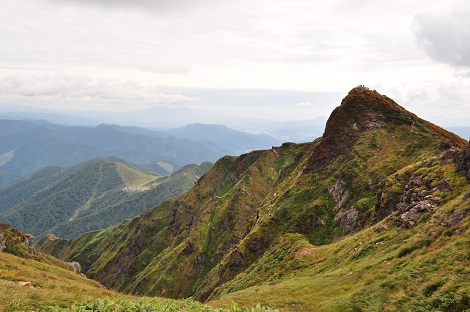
column 365, row 110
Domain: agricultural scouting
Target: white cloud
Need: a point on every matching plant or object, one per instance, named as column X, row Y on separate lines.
column 163, row 5
column 72, row 92
column 123, row 55
column 305, row 104
column 167, row 68
column 442, row 102
column 445, row 34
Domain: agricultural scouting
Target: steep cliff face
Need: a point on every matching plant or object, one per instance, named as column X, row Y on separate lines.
column 374, row 159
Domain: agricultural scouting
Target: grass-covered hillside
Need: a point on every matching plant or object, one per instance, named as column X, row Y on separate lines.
column 371, row 216
column 90, row 196
column 32, row 281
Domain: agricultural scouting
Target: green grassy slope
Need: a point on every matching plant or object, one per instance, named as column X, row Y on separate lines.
column 105, row 213
column 31, row 281
column 242, row 224
column 384, row 267
column 21, row 190
column 89, row 196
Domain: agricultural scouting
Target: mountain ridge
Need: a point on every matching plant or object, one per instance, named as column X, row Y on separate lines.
column 253, row 210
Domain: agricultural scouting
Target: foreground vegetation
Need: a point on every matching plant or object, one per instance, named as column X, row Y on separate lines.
column 151, row 305
column 45, row 284
column 27, row 284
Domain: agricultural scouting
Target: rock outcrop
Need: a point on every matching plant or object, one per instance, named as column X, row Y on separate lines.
column 28, row 241
column 463, row 162
column 2, row 242
column 15, row 241
column 76, row 267
column 347, row 217
column 417, row 199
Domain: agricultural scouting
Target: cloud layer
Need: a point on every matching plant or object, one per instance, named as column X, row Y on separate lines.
column 73, row 92
column 445, row 35
column 121, row 55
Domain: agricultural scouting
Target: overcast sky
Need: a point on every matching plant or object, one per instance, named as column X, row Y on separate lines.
column 276, row 59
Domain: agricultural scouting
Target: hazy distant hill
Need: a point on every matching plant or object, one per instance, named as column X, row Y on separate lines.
column 298, row 131
column 88, row 196
column 224, row 137
column 26, row 146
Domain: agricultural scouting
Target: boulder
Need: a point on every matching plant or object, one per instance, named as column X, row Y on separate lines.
column 76, row 267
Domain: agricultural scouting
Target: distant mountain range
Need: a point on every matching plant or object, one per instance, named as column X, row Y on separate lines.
column 89, row 196
column 27, row 145
column 225, row 138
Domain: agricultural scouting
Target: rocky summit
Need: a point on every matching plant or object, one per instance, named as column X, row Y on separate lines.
column 373, row 215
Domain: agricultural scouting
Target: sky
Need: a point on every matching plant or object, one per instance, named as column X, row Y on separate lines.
column 277, row 60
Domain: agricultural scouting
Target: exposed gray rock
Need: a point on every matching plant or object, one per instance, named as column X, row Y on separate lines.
column 348, row 219
column 76, row 267
column 456, row 217
column 2, row 242
column 339, row 195
column 28, row 241
column 451, row 154
column 463, row 163
column 416, row 200
column 410, row 214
